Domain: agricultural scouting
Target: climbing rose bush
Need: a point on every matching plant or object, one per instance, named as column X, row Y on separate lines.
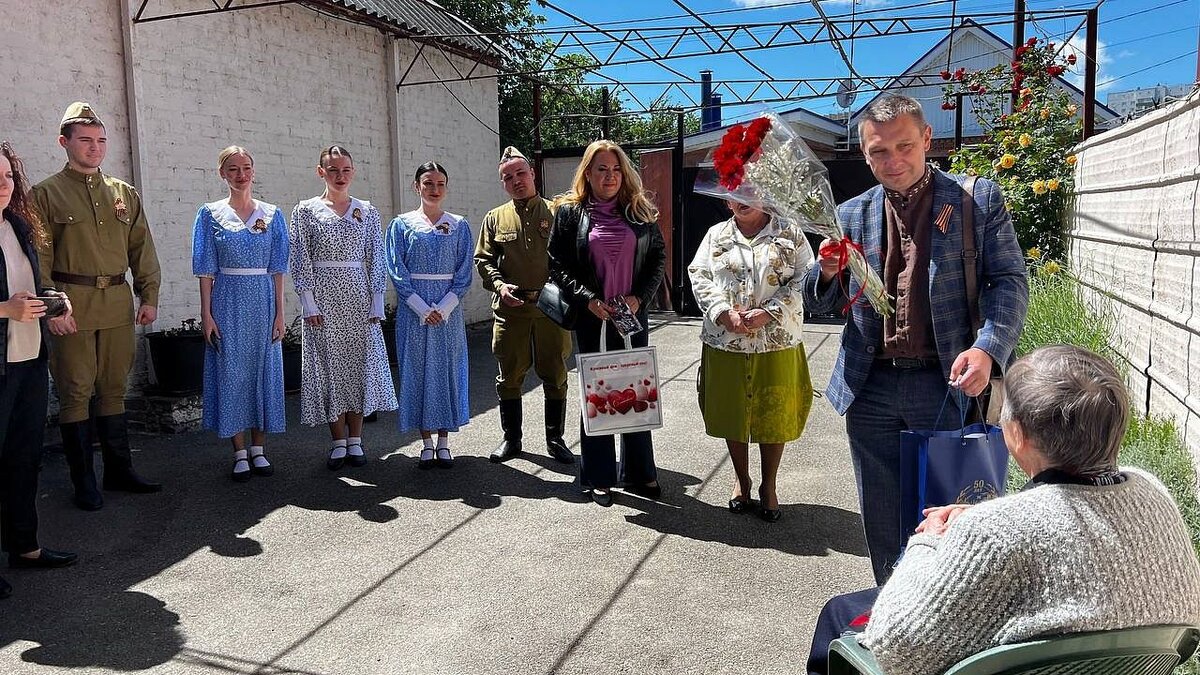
column 1027, row 150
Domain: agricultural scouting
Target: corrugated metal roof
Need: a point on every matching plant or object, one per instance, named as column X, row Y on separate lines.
column 421, row 17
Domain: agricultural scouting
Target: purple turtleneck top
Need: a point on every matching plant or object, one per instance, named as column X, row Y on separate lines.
column 612, row 245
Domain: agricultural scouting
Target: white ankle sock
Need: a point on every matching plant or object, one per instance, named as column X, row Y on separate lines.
column 443, row 442
column 354, row 446
column 257, row 457
column 338, row 451
column 239, row 460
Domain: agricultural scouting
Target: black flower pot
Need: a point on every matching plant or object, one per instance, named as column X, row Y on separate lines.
column 389, row 341
column 178, row 360
column 292, row 362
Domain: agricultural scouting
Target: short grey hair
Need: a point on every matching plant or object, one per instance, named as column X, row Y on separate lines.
column 1071, row 404
column 888, row 108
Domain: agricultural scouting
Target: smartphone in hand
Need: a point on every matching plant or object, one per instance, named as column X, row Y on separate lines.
column 625, row 320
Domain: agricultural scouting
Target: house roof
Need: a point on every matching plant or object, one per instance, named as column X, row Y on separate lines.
column 987, row 36
column 425, row 17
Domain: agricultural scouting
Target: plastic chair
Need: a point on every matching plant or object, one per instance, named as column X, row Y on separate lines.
column 1148, row 650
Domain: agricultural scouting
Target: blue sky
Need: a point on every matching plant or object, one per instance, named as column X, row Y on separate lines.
column 1142, row 42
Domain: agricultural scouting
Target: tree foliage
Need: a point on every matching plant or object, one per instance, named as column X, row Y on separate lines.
column 1028, row 150
column 571, row 109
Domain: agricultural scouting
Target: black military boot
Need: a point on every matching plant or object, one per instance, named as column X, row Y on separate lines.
column 556, row 422
column 118, row 462
column 510, row 422
column 77, row 446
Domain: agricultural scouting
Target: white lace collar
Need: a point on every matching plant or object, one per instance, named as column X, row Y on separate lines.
column 355, row 213
column 445, row 225
column 227, row 218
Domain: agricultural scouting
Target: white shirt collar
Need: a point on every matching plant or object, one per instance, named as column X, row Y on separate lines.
column 228, row 218
column 444, row 225
column 356, row 212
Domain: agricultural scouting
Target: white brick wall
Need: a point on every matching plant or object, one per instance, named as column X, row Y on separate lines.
column 1134, row 239
column 282, row 81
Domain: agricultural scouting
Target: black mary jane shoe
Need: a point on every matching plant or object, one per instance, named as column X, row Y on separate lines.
column 47, row 559
column 240, row 476
column 602, row 497
column 425, row 464
column 648, row 491
column 5, row 589
column 334, row 463
column 446, row 462
column 356, row 460
column 263, row 471
column 742, row 505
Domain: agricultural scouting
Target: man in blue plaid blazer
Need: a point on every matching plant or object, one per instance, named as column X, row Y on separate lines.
column 893, row 374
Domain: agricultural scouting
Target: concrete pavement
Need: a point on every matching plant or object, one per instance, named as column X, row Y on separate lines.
column 481, row 569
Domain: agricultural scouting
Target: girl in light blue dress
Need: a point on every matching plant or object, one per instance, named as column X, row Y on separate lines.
column 430, row 259
column 240, row 254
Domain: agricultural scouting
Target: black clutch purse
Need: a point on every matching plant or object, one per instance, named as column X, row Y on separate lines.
column 554, row 304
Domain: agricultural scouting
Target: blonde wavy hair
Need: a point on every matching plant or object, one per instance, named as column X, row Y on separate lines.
column 632, row 197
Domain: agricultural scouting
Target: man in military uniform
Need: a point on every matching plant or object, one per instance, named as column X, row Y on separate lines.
column 97, row 231
column 512, row 260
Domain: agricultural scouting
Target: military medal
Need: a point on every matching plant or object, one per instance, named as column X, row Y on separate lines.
column 357, row 214
column 120, row 208
column 260, row 225
column 544, row 226
column 443, row 228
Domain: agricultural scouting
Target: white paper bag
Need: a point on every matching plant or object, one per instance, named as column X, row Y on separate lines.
column 619, row 389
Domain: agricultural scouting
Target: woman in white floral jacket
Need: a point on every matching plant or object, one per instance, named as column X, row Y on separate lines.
column 754, row 384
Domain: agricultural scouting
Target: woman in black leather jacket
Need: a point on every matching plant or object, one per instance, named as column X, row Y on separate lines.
column 24, row 375
column 606, row 248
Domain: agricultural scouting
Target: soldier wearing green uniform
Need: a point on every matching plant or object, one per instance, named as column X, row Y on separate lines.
column 512, row 260
column 97, row 232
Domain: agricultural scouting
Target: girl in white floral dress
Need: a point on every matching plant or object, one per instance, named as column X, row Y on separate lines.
column 338, row 266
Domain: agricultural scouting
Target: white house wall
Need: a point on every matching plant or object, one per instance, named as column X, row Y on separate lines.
column 1135, row 238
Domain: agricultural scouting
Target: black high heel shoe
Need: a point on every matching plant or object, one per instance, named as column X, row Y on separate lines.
column 769, row 515
column 742, row 505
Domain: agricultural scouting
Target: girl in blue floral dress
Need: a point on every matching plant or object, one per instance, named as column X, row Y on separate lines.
column 240, row 254
column 430, row 259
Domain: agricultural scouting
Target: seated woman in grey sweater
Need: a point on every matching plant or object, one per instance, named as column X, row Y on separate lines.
column 1084, row 546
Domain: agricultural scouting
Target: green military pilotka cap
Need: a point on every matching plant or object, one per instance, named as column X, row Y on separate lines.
column 510, row 153
column 79, row 112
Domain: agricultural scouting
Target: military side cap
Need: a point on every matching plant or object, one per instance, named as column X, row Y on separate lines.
column 511, row 153
column 80, row 112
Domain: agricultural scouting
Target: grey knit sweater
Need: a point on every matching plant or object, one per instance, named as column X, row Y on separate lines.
column 1053, row 559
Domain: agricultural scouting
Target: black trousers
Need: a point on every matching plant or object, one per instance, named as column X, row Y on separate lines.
column 597, row 454
column 834, row 621
column 23, row 395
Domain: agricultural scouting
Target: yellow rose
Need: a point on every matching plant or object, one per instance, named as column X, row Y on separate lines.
column 1007, row 161
column 1052, row 184
column 1025, row 140
column 1045, row 113
column 1034, row 253
column 1071, row 159
column 1072, row 108
column 1039, row 187
column 1026, row 92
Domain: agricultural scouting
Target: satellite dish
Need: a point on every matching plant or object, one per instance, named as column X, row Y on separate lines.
column 846, row 93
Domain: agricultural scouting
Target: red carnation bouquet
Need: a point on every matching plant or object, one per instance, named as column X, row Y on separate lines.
column 767, row 165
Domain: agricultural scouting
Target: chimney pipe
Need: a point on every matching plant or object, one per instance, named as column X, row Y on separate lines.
column 714, row 117
column 705, row 100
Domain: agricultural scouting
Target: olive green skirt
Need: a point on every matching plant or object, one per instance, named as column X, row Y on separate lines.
column 756, row 398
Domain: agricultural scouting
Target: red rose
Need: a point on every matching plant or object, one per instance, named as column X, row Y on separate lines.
column 948, row 106
column 1071, row 59
column 958, row 74
column 1021, row 51
column 1031, row 41
column 945, row 75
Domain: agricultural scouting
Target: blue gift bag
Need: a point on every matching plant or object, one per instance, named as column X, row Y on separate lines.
column 961, row 466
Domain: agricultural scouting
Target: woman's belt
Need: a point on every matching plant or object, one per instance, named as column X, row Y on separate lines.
column 432, row 277
column 102, row 281
column 243, row 271
column 347, row 264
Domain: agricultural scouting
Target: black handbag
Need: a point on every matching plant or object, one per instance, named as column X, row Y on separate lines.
column 554, row 304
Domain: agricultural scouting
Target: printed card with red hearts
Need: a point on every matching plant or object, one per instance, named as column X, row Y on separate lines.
column 619, row 391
